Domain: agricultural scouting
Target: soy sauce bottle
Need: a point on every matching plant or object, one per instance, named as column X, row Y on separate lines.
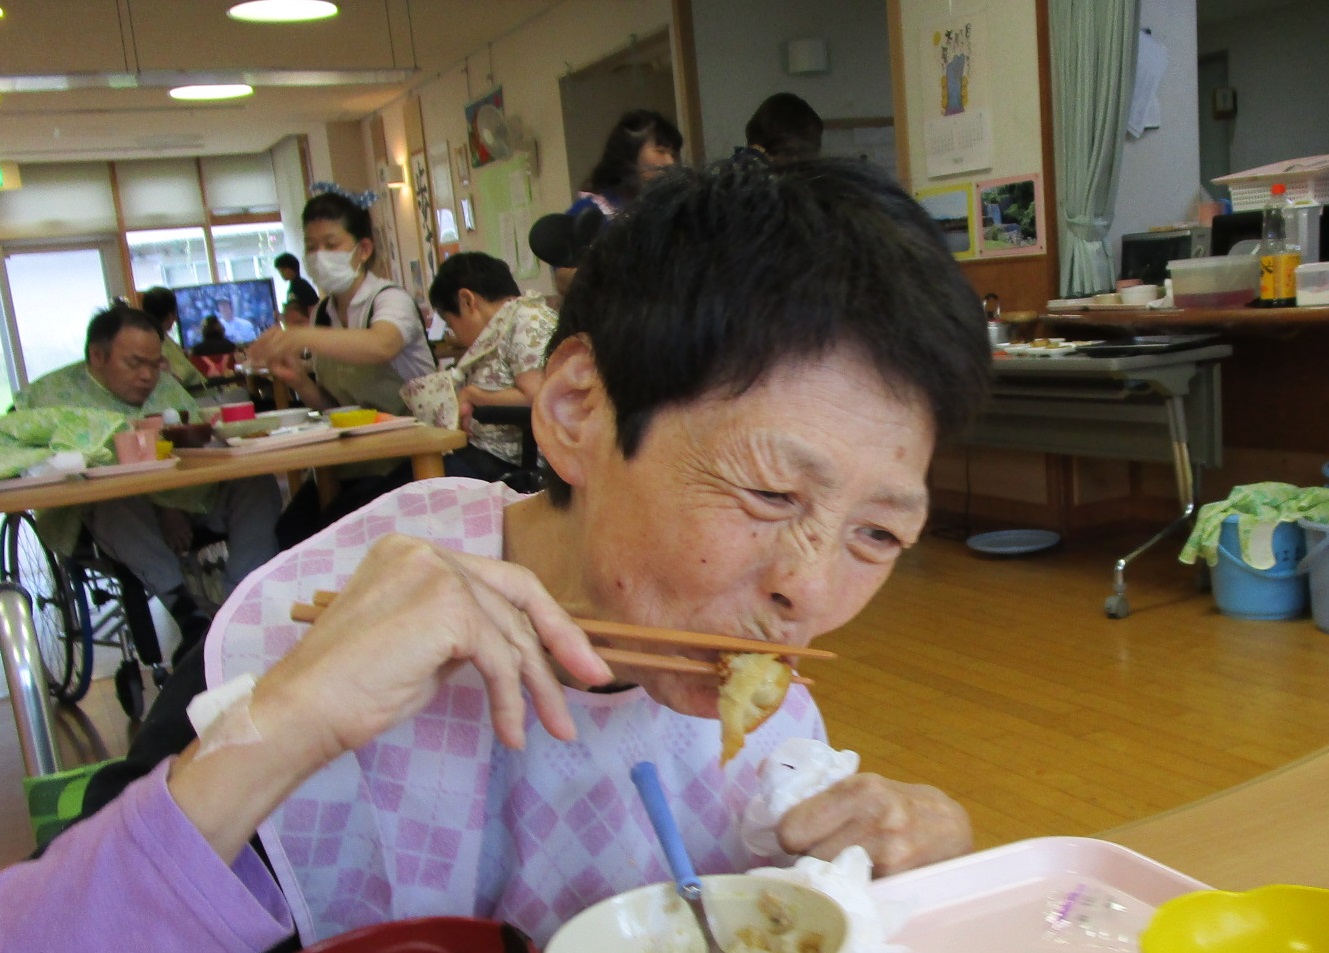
column 1279, row 258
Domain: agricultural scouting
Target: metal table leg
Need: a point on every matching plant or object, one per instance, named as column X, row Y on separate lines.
column 1117, row 606
column 27, row 681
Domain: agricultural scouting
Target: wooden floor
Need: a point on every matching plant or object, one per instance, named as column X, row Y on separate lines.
column 1002, row 682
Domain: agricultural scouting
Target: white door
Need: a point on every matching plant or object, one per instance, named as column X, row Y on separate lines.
column 48, row 294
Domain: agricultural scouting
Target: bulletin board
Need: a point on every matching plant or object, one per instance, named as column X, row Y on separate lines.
column 502, row 194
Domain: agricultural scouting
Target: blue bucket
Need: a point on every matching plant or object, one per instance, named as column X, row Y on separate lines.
column 1244, row 592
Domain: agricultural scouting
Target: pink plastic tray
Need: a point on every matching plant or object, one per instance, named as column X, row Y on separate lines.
column 998, row 900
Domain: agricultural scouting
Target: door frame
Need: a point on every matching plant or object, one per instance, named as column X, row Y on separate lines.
column 112, row 271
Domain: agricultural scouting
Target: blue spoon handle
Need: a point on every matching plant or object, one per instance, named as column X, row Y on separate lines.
column 647, row 780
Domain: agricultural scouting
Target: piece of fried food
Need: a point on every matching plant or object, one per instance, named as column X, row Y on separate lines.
column 752, row 688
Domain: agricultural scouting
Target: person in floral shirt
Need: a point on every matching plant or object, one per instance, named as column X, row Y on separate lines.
column 505, row 334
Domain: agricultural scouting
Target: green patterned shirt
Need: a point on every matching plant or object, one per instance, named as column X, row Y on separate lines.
column 74, row 386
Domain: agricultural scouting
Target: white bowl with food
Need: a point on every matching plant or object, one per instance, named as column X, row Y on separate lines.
column 747, row 913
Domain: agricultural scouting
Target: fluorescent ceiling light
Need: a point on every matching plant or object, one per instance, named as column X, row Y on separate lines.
column 282, row 11
column 217, row 91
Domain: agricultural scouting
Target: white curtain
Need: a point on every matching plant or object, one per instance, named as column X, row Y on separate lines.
column 1093, row 75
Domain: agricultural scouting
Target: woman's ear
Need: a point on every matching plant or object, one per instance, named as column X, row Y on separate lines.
column 571, row 413
column 364, row 251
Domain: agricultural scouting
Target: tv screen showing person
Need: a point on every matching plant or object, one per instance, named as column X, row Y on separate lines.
column 245, row 308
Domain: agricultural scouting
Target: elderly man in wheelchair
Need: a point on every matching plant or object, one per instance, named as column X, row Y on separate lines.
column 143, row 539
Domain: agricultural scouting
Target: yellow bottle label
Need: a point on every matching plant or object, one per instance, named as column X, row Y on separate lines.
column 1278, row 276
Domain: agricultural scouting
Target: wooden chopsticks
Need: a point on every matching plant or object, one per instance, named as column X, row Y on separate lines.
column 301, row 612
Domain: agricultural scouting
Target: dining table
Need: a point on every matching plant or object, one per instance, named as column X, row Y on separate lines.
column 1269, row 830
column 423, row 445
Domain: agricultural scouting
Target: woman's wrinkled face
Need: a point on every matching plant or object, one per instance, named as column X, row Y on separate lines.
column 773, row 515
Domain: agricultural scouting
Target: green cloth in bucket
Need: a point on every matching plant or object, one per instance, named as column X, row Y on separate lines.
column 1259, row 508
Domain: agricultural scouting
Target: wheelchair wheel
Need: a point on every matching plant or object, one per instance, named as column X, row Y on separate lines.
column 65, row 643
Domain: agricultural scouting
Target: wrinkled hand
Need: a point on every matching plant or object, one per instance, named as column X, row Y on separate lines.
column 409, row 615
column 176, row 529
column 900, row 825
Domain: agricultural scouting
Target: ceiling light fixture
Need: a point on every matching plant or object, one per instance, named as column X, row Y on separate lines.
column 282, row 11
column 214, row 91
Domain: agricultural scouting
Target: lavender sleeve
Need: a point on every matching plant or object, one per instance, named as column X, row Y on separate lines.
column 139, row 876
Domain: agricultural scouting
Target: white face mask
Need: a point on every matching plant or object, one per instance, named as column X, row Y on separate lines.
column 332, row 270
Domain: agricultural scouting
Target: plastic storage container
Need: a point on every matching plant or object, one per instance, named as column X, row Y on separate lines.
column 1226, row 281
column 1315, row 564
column 1244, row 592
column 1313, row 284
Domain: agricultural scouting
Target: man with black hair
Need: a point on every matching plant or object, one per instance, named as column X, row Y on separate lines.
column 122, row 372
column 298, row 289
column 784, row 128
column 160, row 304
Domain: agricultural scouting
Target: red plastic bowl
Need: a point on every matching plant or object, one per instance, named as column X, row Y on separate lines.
column 430, row 935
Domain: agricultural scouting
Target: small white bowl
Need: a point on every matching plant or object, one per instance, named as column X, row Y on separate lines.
column 1138, row 294
column 655, row 919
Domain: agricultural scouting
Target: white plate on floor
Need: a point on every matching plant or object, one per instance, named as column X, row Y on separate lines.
column 1013, row 542
column 124, row 469
column 1028, row 895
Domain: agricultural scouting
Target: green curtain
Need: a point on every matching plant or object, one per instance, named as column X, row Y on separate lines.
column 1093, row 75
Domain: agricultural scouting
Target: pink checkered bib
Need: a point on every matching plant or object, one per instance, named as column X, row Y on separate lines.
column 435, row 817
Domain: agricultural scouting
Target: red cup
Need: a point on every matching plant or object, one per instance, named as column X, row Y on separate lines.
column 136, row 446
column 230, row 413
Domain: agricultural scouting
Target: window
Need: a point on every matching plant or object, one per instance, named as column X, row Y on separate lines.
column 247, row 251
column 168, row 256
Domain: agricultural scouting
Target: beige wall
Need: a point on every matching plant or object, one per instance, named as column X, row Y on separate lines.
column 527, row 64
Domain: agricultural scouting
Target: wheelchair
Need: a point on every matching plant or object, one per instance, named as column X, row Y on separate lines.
column 90, row 600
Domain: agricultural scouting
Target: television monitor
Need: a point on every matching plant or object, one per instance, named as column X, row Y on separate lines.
column 245, row 308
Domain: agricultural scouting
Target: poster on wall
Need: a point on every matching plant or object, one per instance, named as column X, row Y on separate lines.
column 957, row 125
column 506, row 213
column 1010, row 212
column 952, row 208
column 384, row 218
column 483, row 117
column 424, row 213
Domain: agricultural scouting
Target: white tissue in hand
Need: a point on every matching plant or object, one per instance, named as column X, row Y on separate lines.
column 795, row 771
column 846, row 881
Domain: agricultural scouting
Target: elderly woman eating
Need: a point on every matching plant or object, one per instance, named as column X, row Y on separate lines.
column 739, row 408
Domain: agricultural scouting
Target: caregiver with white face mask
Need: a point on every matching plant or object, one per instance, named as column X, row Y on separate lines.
column 366, row 339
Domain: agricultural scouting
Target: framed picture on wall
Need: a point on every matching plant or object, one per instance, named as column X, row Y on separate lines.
column 1010, row 213
column 446, row 229
column 952, row 208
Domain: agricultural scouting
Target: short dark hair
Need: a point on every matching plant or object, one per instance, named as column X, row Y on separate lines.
column 786, row 128
column 331, row 207
column 715, row 277
column 287, row 260
column 105, row 325
column 159, row 303
column 475, row 271
column 615, row 175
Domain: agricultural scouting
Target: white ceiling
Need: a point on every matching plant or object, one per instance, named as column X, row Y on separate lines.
column 391, row 45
